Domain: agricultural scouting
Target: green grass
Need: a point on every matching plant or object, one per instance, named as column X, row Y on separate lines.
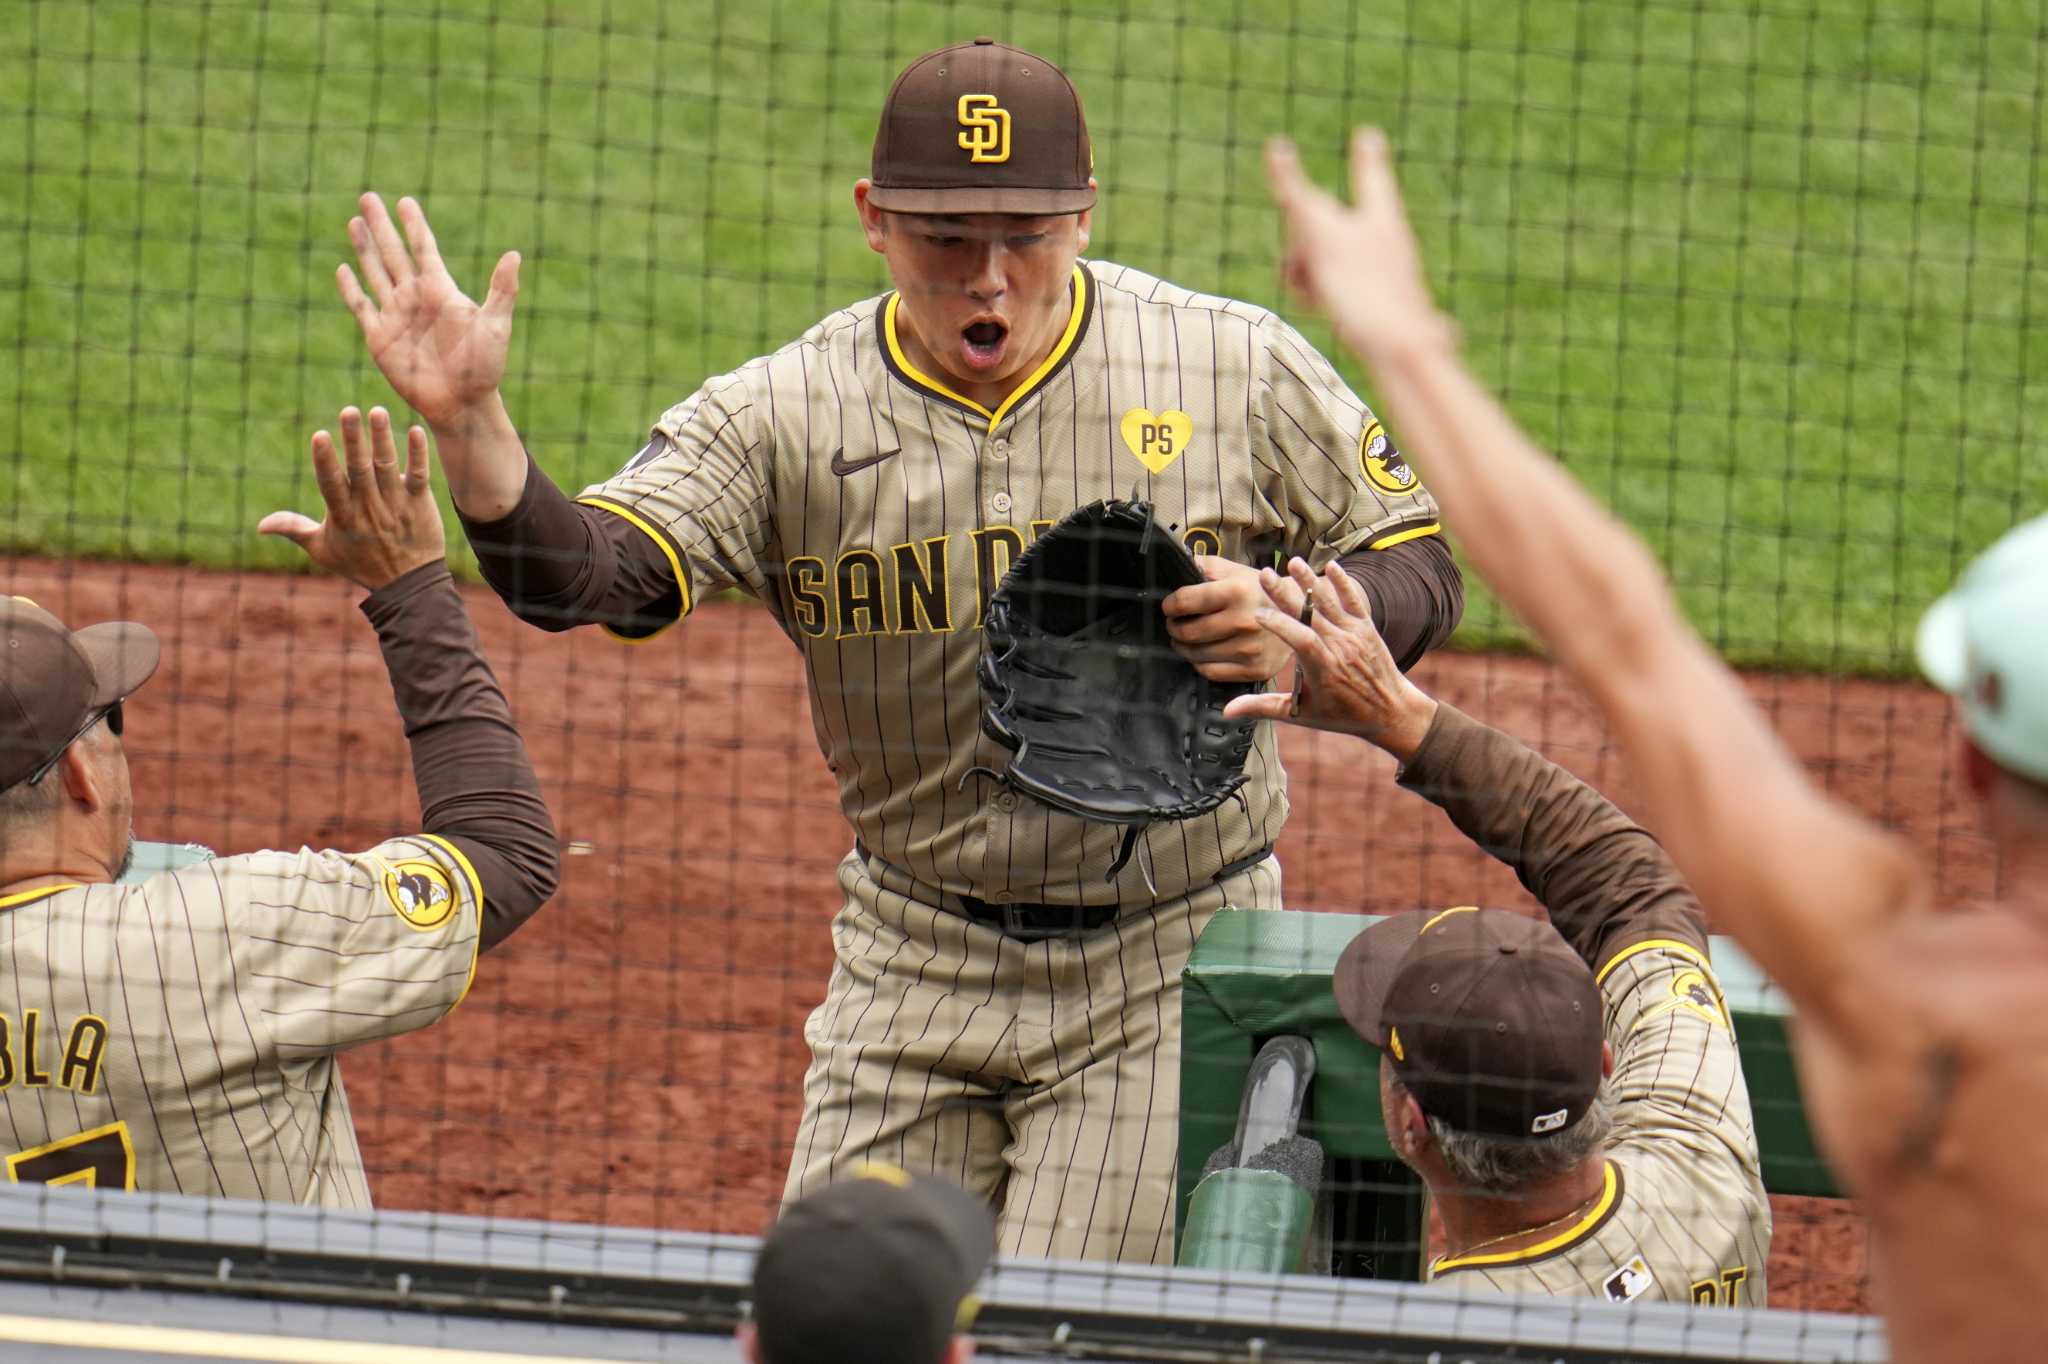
column 1761, row 275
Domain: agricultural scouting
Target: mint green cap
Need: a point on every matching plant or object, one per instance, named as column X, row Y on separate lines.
column 1986, row 644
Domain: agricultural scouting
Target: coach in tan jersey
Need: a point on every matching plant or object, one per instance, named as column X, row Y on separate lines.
column 181, row 1034
column 1003, row 1010
column 1922, row 1043
column 1572, row 1095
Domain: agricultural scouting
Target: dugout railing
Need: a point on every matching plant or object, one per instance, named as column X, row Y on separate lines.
column 102, row 1275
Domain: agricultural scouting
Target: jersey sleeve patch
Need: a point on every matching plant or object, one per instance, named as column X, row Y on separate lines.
column 1692, row 992
column 1383, row 465
column 451, row 879
column 419, row 891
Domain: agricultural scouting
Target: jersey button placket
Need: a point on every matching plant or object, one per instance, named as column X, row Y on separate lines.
column 995, row 454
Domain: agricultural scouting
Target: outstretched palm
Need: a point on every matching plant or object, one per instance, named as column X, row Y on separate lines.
column 441, row 351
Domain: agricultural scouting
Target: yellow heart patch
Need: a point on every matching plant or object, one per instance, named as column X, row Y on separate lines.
column 1157, row 438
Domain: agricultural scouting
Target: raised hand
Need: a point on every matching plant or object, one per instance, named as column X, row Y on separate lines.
column 1346, row 681
column 1359, row 264
column 442, row 353
column 382, row 521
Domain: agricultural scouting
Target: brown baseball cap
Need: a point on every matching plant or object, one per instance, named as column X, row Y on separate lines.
column 55, row 683
column 880, row 1268
column 1489, row 1017
column 982, row 127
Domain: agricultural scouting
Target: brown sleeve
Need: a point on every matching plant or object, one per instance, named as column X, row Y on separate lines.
column 559, row 564
column 1417, row 594
column 1604, row 880
column 477, row 788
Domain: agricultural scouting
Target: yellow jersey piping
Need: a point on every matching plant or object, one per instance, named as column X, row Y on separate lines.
column 1083, row 301
column 476, row 890
column 1402, row 537
column 668, row 549
column 26, row 896
column 1610, row 1196
column 1683, row 949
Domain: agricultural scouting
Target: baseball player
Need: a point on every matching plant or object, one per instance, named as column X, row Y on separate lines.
column 880, row 1267
column 1921, row 1035
column 1003, row 1010
column 180, row 1034
column 1572, row 1095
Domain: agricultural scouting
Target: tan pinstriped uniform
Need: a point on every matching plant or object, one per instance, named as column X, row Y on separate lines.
column 873, row 510
column 1683, row 1217
column 179, row 1035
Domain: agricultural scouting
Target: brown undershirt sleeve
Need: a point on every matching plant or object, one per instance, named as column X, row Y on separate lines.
column 1604, row 880
column 559, row 564
column 477, row 788
column 1417, row 594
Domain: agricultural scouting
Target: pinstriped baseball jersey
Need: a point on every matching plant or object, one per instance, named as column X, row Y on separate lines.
column 179, row 1034
column 874, row 510
column 1683, row 1216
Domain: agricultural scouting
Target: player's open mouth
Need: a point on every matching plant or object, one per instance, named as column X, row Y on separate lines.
column 983, row 343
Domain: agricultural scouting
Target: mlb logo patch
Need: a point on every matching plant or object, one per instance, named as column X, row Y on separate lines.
column 1630, row 1281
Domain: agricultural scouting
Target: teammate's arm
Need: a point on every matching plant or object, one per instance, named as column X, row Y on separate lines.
column 559, row 564
column 477, row 789
column 1604, row 881
column 687, row 514
column 1609, row 889
column 1416, row 592
column 1798, row 878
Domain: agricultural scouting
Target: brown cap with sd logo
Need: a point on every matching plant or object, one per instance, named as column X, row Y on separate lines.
column 982, row 127
column 1489, row 1017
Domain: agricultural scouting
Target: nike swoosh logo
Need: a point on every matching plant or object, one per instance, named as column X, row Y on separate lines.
column 843, row 466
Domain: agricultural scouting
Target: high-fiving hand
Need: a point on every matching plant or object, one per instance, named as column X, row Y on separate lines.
column 1346, row 681
column 1358, row 264
column 382, row 521
column 442, row 353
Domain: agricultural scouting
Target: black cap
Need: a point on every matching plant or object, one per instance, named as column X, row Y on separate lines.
column 55, row 682
column 879, row 1269
column 1490, row 1019
column 982, row 127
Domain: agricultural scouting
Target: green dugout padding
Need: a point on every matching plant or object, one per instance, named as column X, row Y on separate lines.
column 1257, row 974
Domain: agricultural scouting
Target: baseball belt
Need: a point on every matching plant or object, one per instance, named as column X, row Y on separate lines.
column 1040, row 922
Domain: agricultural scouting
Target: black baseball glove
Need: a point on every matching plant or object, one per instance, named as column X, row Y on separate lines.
column 1080, row 680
